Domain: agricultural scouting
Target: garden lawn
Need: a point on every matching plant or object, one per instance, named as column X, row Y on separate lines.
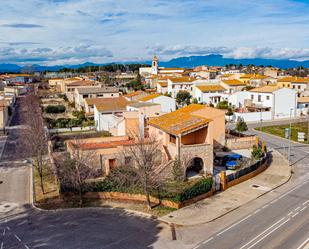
column 279, row 130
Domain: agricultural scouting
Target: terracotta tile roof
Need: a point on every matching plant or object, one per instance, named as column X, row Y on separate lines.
column 258, row 77
column 234, row 82
column 149, row 97
column 265, row 89
column 303, row 100
column 294, row 79
column 210, row 88
column 163, row 84
column 133, row 94
column 180, row 121
column 181, row 79
column 82, row 83
column 245, row 76
column 93, row 90
column 104, row 145
column 112, row 104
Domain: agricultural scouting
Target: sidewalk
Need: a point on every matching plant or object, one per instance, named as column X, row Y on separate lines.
column 209, row 209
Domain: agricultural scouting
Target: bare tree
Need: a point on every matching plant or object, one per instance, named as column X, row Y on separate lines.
column 76, row 171
column 34, row 134
column 145, row 155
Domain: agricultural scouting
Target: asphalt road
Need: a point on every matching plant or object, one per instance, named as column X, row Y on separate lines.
column 281, row 223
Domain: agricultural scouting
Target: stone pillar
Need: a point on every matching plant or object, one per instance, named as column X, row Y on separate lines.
column 223, row 180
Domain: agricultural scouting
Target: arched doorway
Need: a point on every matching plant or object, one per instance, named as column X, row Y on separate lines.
column 195, row 167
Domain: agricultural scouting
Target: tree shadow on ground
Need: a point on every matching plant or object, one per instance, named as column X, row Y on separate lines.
column 79, row 229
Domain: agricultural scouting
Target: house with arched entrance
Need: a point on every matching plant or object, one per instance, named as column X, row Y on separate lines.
column 190, row 134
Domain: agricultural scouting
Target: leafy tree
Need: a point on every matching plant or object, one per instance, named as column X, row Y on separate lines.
column 55, row 109
column 241, row 125
column 223, row 105
column 229, row 112
column 183, row 97
column 194, row 101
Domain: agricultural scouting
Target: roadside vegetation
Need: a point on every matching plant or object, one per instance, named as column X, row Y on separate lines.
column 279, row 130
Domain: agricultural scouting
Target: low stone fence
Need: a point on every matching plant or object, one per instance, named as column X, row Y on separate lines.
column 238, row 143
column 137, row 198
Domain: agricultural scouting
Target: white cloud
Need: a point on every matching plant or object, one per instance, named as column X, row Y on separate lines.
column 130, row 29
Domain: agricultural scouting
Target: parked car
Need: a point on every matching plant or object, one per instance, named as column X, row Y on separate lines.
column 229, row 160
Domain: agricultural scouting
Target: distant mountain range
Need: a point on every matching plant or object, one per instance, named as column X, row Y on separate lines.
column 186, row 62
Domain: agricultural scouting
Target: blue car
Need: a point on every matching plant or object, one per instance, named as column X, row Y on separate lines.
column 228, row 159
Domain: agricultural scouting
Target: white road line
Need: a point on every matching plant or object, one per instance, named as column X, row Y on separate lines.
column 8, row 228
column 295, row 214
column 290, row 213
column 263, row 232
column 17, row 237
column 268, row 233
column 265, row 206
column 303, row 244
column 305, row 202
column 256, row 211
column 196, row 247
column 272, row 202
column 296, row 208
column 206, row 241
column 303, row 209
column 1, row 245
column 3, row 232
column 235, row 224
column 27, row 247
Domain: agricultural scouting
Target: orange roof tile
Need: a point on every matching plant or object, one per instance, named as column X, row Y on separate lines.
column 181, row 79
column 149, row 97
column 180, row 121
column 234, row 82
column 112, row 104
column 265, row 89
column 210, row 88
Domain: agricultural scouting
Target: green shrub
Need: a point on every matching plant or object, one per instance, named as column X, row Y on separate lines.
column 256, row 153
column 241, row 125
column 55, row 109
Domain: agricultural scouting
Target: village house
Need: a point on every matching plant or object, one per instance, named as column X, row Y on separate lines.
column 71, row 87
column 233, row 86
column 176, row 84
column 267, row 103
column 167, row 104
column 209, row 94
column 192, row 131
column 82, row 93
column 135, row 95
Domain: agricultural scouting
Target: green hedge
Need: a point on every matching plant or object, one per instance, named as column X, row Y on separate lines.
column 200, row 187
column 55, row 109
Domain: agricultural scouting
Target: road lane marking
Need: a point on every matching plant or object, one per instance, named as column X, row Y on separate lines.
column 290, row 213
column 27, row 247
column 17, row 238
column 266, row 235
column 256, row 211
column 206, row 241
column 235, row 224
column 305, row 202
column 296, row 208
column 3, row 232
column 303, row 209
column 1, row 245
column 265, row 206
column 295, row 214
column 8, row 228
column 263, row 232
column 303, row 244
column 272, row 202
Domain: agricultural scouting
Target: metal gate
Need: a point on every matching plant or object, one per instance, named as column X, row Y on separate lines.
column 217, row 182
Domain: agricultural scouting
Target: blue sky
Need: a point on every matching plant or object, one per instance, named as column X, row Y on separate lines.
column 75, row 31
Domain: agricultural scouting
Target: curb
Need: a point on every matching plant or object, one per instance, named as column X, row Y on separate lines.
column 274, row 136
column 220, row 216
